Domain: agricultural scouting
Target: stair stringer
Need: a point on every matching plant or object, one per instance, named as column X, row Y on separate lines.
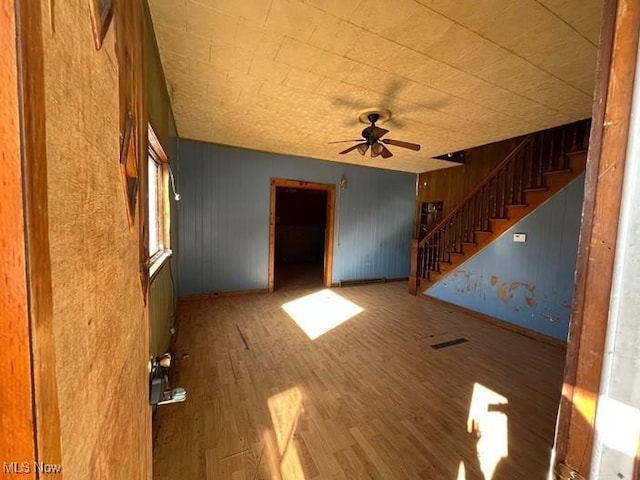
column 556, row 182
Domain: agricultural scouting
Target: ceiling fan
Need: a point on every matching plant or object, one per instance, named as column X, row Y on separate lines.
column 372, row 136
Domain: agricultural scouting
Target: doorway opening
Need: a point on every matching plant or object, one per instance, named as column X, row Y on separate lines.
column 301, row 234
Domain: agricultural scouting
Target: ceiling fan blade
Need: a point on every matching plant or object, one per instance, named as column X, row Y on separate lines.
column 398, row 143
column 385, row 153
column 345, row 141
column 379, row 132
column 350, row 149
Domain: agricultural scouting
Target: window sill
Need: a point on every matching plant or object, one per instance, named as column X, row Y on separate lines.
column 156, row 262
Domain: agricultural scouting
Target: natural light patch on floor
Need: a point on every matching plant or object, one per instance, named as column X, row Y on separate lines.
column 282, row 454
column 320, row 312
column 488, row 420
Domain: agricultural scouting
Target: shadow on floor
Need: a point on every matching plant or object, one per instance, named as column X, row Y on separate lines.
column 298, row 276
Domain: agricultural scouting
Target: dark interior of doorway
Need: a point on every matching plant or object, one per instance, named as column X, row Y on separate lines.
column 299, row 251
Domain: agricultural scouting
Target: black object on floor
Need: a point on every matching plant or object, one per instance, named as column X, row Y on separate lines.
column 449, row 343
column 244, row 340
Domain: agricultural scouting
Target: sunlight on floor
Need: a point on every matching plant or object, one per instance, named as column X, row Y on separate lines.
column 320, row 312
column 282, row 455
column 488, row 420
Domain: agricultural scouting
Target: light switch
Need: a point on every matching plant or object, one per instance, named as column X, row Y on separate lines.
column 520, row 237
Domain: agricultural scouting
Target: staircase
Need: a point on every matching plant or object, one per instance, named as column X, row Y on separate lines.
column 540, row 166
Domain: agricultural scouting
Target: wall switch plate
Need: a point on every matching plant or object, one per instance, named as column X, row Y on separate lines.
column 520, row 237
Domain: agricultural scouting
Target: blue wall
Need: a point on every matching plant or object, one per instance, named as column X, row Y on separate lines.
column 529, row 284
column 224, row 217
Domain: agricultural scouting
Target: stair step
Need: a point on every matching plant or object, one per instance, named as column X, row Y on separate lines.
column 458, row 254
column 536, row 189
column 499, row 219
column 576, row 152
column 517, row 205
column 484, row 232
column 475, row 244
column 556, row 172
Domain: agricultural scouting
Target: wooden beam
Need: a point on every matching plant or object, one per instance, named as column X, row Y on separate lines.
column 598, row 235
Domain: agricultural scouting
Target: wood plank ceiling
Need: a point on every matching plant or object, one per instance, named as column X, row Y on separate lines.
column 289, row 76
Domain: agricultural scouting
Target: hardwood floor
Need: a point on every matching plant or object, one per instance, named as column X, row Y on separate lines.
column 296, row 276
column 368, row 399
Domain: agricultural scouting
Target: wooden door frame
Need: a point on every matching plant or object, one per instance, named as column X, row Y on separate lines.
column 598, row 236
column 27, row 359
column 330, row 189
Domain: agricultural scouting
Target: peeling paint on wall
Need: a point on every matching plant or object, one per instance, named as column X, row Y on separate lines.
column 531, row 284
column 507, row 292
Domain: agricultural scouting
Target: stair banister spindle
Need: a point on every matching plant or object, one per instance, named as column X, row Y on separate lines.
column 524, row 168
column 552, row 150
column 503, row 197
column 482, row 184
column 487, row 213
column 518, row 182
column 574, row 137
column 512, row 182
column 562, row 158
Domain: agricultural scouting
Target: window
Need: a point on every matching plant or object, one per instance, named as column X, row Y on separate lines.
column 158, row 205
column 156, row 223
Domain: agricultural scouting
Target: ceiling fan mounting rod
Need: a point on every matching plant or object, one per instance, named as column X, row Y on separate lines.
column 373, row 118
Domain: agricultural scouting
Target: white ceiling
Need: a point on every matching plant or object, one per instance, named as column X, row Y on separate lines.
column 289, row 76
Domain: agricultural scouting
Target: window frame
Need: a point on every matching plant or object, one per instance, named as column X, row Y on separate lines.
column 157, row 155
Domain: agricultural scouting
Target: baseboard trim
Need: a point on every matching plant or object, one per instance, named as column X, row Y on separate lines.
column 231, row 293
column 540, row 337
column 367, row 281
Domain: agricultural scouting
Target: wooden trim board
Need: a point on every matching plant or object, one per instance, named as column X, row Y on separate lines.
column 29, row 398
column 15, row 359
column 329, row 230
column 540, row 337
column 598, row 236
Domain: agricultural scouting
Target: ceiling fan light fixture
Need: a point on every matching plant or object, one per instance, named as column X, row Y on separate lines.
column 376, row 149
column 362, row 148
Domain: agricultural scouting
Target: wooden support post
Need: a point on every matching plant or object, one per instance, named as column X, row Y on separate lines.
column 413, row 277
column 596, row 251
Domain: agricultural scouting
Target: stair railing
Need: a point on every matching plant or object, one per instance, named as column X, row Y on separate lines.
column 522, row 170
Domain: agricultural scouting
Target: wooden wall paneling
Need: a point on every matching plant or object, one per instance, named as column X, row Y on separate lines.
column 16, row 414
column 450, row 185
column 447, row 185
column 605, row 172
column 100, row 321
column 224, row 217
